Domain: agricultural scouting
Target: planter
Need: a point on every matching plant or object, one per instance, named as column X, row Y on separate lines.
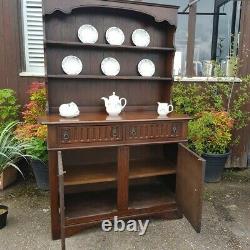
column 3, row 216
column 215, row 164
column 41, row 173
column 7, row 177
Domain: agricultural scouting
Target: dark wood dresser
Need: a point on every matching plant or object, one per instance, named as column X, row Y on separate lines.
column 134, row 165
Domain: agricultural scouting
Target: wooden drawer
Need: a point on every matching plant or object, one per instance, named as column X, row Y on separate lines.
column 89, row 134
column 154, row 131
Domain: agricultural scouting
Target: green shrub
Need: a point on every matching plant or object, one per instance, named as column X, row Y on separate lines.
column 9, row 109
column 11, row 149
column 38, row 149
column 210, row 132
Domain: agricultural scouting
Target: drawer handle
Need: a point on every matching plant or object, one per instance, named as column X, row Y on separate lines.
column 174, row 129
column 114, row 132
column 133, row 132
column 65, row 135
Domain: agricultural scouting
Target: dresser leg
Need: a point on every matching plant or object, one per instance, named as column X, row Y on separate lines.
column 122, row 177
column 54, row 201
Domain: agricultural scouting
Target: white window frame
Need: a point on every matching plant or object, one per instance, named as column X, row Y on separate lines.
column 33, row 38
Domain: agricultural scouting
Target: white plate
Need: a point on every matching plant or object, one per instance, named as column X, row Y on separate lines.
column 110, row 66
column 146, row 68
column 141, row 38
column 88, row 34
column 115, row 36
column 72, row 65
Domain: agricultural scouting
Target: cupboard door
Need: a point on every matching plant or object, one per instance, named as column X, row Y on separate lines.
column 189, row 185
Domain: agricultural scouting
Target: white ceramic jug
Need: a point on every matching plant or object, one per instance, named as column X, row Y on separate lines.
column 164, row 109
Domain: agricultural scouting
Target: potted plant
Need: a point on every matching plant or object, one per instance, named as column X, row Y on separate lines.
column 39, row 162
column 210, row 135
column 11, row 151
column 209, row 100
column 9, row 110
column 36, row 134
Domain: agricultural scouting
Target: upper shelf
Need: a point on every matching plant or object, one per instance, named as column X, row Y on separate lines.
column 102, row 77
column 107, row 46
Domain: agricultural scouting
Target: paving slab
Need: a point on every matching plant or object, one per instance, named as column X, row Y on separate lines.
column 225, row 224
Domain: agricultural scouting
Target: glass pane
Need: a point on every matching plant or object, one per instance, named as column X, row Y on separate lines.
column 203, row 37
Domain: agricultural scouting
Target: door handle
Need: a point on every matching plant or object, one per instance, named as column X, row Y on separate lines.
column 174, row 130
column 114, row 132
column 65, row 135
column 133, row 132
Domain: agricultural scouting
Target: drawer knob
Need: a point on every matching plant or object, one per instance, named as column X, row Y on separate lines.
column 174, row 129
column 114, row 132
column 65, row 135
column 133, row 132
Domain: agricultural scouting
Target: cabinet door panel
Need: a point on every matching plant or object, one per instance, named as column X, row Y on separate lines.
column 189, row 185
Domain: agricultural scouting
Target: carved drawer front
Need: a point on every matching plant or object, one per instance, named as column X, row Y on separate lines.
column 154, row 131
column 176, row 129
column 147, row 131
column 89, row 134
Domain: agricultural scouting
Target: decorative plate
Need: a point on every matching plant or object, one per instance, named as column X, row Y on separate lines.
column 110, row 66
column 72, row 65
column 146, row 68
column 115, row 36
column 141, row 38
column 88, row 34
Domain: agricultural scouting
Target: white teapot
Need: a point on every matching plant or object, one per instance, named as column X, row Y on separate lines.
column 164, row 109
column 114, row 105
column 69, row 110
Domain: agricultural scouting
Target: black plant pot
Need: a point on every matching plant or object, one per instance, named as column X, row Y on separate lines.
column 41, row 173
column 215, row 164
column 3, row 217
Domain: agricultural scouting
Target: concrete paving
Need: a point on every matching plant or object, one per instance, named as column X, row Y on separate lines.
column 225, row 225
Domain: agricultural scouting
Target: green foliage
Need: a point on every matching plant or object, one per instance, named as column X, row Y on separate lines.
column 8, row 107
column 238, row 103
column 210, row 132
column 188, row 98
column 232, row 97
column 30, row 130
column 38, row 149
column 11, row 149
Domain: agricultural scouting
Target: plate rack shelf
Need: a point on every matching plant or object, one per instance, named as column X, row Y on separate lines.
column 128, row 166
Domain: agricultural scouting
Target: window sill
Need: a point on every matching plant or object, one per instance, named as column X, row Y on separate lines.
column 207, row 79
column 31, row 74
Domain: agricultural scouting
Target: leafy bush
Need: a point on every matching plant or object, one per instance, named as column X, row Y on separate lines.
column 11, row 149
column 188, row 98
column 8, row 107
column 231, row 97
column 30, row 130
column 210, row 132
column 38, row 149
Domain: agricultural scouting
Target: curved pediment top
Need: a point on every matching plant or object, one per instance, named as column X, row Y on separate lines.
column 159, row 12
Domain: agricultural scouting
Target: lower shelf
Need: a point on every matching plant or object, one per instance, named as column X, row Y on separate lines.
column 90, row 203
column 91, row 206
column 150, row 195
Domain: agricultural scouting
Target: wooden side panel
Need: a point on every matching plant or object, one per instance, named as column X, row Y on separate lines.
column 189, row 185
